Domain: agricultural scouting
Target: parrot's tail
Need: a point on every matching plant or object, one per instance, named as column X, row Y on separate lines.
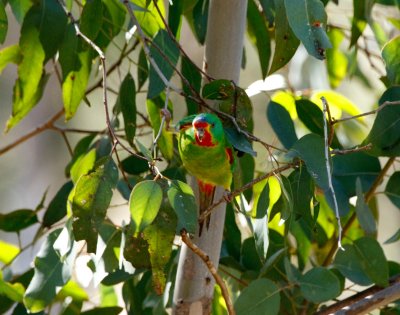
column 206, row 197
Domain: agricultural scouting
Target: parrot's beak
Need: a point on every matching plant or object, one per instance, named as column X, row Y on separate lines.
column 200, row 133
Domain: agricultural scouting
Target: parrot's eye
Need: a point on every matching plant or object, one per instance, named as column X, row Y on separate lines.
column 212, row 125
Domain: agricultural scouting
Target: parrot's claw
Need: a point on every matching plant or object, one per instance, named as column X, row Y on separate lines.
column 228, row 196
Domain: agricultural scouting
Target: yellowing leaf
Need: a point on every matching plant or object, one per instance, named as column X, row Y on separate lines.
column 7, row 252
column 287, row 100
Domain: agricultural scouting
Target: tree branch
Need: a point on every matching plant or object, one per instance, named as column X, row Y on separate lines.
column 204, row 257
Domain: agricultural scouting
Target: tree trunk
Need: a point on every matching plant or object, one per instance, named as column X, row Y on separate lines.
column 194, row 288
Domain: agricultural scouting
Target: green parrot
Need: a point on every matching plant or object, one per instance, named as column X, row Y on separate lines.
column 207, row 155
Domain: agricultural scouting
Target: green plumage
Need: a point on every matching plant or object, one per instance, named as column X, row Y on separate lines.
column 206, row 154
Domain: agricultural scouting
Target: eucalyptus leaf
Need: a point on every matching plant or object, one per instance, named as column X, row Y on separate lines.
column 127, row 103
column 392, row 189
column 17, row 220
column 364, row 213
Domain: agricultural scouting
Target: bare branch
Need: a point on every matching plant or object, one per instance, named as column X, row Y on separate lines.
column 204, row 257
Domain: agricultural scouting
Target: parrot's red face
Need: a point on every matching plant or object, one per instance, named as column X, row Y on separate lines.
column 202, row 133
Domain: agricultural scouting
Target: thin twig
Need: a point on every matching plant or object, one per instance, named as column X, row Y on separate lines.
column 356, row 149
column 237, row 192
column 206, row 259
column 328, row 171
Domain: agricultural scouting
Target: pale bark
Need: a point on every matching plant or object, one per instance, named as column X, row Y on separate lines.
column 194, row 288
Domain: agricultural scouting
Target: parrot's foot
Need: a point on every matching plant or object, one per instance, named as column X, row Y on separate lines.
column 228, row 196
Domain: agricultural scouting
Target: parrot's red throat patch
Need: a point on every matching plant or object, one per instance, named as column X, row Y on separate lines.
column 206, row 188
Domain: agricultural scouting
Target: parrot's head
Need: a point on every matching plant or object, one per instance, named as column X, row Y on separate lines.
column 208, row 129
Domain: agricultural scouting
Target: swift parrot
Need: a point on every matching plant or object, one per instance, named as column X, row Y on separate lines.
column 207, row 155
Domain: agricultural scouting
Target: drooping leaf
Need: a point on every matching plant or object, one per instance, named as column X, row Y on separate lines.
column 127, row 103
column 17, row 220
column 362, row 13
column 134, row 165
column 160, row 236
column 10, row 54
column 91, row 18
column 90, row 199
column 57, row 208
column 13, row 291
column 336, row 60
column 282, row 124
column 175, row 13
column 80, row 149
column 200, row 18
column 20, row 8
column 181, row 198
column 385, row 133
column 260, row 228
column 286, row 42
column 8, row 252
column 3, row 23
column 394, row 238
column 239, row 141
column 364, row 213
column 51, row 271
column 108, row 310
column 148, row 17
column 73, row 289
column 83, row 165
column 266, row 295
column 142, row 69
column 165, row 142
column 302, row 187
column 392, row 189
column 390, row 54
column 144, row 204
column 193, row 77
column 250, row 258
column 307, row 18
column 319, row 285
column 75, row 63
column 262, row 203
column 169, row 49
column 258, row 32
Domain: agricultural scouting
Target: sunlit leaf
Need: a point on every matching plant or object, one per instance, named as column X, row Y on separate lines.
column 10, row 54
column 362, row 13
column 136, row 251
column 144, row 204
column 307, row 18
column 282, row 124
column 109, row 310
column 319, row 285
column 390, row 54
column 286, row 42
column 181, row 198
column 169, row 49
column 336, row 59
column 20, row 8
column 160, row 235
column 260, row 228
column 17, row 220
column 90, row 200
column 51, row 271
column 8, row 252
column 149, row 18
column 265, row 292
column 73, row 290
column 258, row 32
column 14, row 291
column 287, row 100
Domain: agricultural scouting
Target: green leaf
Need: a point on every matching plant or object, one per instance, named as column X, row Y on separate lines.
column 90, row 200
column 175, row 11
column 260, row 228
column 90, row 21
column 136, row 251
column 160, row 236
column 385, row 133
column 181, row 198
column 51, row 271
column 260, row 297
column 319, row 285
column 336, row 60
column 364, row 262
column 218, row 90
column 258, row 32
column 134, row 166
column 145, row 152
column 286, row 42
column 170, row 51
column 142, row 69
column 262, row 204
column 394, row 238
column 165, row 142
column 80, row 149
column 307, row 18
column 17, row 220
column 200, row 18
column 14, row 291
column 392, row 189
column 302, row 187
column 73, row 290
column 83, row 165
column 390, row 54
column 57, row 208
column 364, row 213
column 239, row 141
column 20, row 8
column 144, row 204
column 149, row 19
column 282, row 124
column 127, row 103
column 109, row 310
column 9, row 54
column 75, row 63
column 8, row 252
column 362, row 13
column 3, row 23
column 193, row 77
